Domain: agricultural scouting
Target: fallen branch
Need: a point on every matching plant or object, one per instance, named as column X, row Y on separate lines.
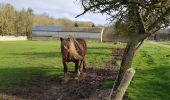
column 124, row 84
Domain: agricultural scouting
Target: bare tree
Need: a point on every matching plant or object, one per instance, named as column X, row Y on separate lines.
column 143, row 17
column 29, row 21
column 76, row 25
column 92, row 25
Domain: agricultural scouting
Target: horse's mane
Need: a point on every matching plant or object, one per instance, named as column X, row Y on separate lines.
column 74, row 49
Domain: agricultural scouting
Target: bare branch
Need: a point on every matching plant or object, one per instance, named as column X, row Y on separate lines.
column 158, row 20
column 85, row 11
column 139, row 45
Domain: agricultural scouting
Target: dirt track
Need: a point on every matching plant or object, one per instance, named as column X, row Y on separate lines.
column 86, row 88
column 159, row 44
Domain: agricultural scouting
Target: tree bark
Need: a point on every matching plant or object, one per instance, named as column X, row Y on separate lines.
column 127, row 59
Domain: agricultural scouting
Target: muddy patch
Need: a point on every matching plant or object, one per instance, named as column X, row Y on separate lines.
column 88, row 87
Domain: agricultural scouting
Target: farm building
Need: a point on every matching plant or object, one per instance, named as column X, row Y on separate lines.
column 54, row 32
column 163, row 34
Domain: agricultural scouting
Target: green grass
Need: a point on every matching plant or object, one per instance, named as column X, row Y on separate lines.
column 152, row 78
column 22, row 60
column 107, row 84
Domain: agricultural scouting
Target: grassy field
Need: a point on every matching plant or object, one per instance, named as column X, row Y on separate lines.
column 152, row 78
column 22, row 60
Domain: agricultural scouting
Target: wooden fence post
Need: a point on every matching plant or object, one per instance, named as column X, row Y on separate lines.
column 101, row 35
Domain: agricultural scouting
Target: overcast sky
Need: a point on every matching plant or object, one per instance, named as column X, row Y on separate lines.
column 58, row 9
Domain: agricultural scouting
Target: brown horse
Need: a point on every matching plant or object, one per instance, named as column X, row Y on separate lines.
column 73, row 50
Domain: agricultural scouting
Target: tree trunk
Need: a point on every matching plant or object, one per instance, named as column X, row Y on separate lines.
column 127, row 59
column 124, row 84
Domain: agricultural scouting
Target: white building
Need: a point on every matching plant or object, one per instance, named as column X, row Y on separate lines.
column 54, row 32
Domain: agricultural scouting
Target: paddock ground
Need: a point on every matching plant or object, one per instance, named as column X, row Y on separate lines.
column 33, row 70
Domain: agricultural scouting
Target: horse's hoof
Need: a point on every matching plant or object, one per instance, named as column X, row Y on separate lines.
column 78, row 73
column 66, row 78
column 84, row 68
column 83, row 74
column 76, row 78
column 65, row 81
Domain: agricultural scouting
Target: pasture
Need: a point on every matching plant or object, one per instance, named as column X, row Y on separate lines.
column 165, row 42
column 34, row 70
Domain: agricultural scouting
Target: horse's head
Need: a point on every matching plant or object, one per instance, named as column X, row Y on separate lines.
column 68, row 47
column 67, row 43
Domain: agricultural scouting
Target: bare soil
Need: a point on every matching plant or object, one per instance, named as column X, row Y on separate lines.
column 86, row 88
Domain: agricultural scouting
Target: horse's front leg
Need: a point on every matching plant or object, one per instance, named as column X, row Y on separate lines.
column 65, row 67
column 84, row 63
column 65, row 71
column 77, row 71
column 80, row 65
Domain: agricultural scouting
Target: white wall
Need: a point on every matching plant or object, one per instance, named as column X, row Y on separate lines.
column 84, row 35
column 12, row 38
column 44, row 34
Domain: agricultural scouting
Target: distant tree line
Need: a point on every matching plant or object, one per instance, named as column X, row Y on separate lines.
column 45, row 20
column 19, row 23
column 13, row 22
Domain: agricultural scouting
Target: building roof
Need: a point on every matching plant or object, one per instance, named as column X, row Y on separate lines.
column 67, row 29
column 47, row 28
column 82, row 29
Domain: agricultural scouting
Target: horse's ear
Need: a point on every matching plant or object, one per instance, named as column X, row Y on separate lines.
column 61, row 39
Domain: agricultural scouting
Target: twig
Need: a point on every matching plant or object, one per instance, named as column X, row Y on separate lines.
column 60, row 97
column 113, row 87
